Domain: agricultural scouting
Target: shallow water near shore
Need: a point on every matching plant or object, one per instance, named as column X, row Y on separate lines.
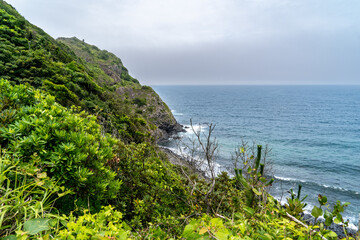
column 313, row 131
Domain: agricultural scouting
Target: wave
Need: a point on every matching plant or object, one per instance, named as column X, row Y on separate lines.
column 330, row 166
column 175, row 113
column 304, row 182
column 195, row 127
column 201, row 164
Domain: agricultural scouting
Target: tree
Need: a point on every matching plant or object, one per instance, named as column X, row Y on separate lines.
column 202, row 154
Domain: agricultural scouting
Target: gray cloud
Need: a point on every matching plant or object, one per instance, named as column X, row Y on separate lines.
column 215, row 41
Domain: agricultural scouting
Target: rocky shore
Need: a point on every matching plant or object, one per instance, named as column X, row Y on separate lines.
column 337, row 228
column 177, row 159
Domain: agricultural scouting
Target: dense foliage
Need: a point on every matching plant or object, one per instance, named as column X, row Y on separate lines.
column 78, row 160
column 61, row 143
column 91, row 78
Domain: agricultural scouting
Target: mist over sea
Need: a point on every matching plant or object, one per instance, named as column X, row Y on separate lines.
column 313, row 131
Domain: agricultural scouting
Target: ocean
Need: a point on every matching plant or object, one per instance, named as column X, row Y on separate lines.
column 313, row 133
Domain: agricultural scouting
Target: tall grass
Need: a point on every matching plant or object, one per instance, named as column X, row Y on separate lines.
column 22, row 196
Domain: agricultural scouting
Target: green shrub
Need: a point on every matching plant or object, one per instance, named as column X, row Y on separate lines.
column 66, row 144
column 62, row 93
column 107, row 224
column 150, row 187
column 139, row 101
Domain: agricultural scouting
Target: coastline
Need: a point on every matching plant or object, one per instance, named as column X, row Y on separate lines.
column 177, row 159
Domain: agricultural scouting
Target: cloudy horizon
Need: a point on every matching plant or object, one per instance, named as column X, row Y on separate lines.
column 214, row 41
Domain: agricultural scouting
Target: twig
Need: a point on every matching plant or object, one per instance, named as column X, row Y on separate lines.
column 304, row 225
column 223, row 217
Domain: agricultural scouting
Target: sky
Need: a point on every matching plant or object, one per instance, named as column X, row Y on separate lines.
column 177, row 42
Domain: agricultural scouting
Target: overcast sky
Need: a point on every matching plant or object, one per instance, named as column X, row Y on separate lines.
column 215, row 41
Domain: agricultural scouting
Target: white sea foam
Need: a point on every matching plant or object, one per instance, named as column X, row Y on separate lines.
column 314, row 183
column 202, row 165
column 196, row 128
column 289, row 179
column 175, row 113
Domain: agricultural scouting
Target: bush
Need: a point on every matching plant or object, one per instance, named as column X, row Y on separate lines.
column 107, row 224
column 139, row 101
column 150, row 187
column 66, row 144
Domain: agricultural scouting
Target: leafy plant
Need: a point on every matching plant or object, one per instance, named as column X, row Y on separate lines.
column 294, row 204
column 255, row 186
column 23, row 202
column 67, row 145
column 333, row 216
column 107, row 224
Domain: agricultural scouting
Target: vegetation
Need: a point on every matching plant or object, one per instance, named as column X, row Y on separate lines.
column 79, row 74
column 78, row 158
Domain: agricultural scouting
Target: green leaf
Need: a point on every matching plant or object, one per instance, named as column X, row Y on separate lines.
column 337, row 221
column 190, row 228
column 331, row 235
column 242, row 227
column 262, row 179
column 328, row 218
column 266, row 236
column 216, row 222
column 10, row 237
column 256, row 192
column 222, row 234
column 41, row 175
column 123, row 235
column 322, row 200
column 249, row 210
column 203, row 230
column 34, row 226
column 316, row 212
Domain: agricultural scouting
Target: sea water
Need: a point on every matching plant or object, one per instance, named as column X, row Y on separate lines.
column 313, row 131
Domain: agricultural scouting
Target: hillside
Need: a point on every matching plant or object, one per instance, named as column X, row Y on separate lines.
column 79, row 160
column 79, row 74
column 111, row 72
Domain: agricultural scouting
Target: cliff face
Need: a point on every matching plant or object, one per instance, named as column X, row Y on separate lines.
column 153, row 108
column 80, row 74
column 145, row 101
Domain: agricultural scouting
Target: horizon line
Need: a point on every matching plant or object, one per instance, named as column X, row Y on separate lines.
column 275, row 84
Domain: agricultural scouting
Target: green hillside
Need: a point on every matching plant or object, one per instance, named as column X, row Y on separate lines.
column 80, row 74
column 136, row 99
column 79, row 160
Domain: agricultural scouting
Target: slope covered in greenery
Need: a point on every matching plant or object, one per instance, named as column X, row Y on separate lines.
column 128, row 91
column 93, row 79
column 78, row 158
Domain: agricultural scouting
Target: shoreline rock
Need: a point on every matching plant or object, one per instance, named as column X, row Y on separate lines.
column 176, row 159
column 337, row 228
column 179, row 160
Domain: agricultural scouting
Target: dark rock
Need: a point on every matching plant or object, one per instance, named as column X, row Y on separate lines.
column 337, row 228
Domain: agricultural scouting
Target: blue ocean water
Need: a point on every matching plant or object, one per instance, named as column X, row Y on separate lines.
column 313, row 131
